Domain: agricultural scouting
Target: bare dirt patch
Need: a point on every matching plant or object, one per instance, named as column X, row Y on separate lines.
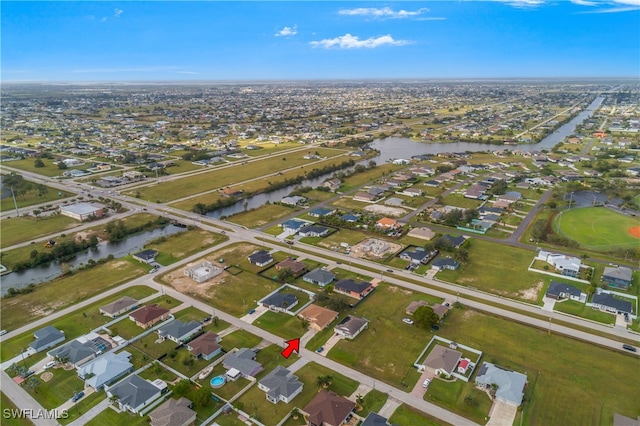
column 634, row 231
column 385, row 210
column 46, row 376
column 531, row 293
column 373, row 248
column 468, row 314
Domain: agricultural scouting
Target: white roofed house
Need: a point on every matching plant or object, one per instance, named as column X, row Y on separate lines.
column 566, row 265
column 105, row 369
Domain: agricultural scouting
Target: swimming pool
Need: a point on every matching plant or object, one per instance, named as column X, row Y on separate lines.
column 217, row 381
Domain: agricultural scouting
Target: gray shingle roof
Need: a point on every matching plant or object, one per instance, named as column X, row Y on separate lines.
column 555, row 288
column 243, row 362
column 319, row 275
column 177, row 328
column 606, row 299
column 281, row 382
column 134, row 391
column 46, row 336
column 510, row 383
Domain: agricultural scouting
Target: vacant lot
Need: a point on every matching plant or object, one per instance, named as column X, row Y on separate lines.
column 32, row 198
column 551, row 396
column 598, row 228
column 407, row 415
column 184, row 244
column 219, row 178
column 261, row 216
column 62, row 292
column 385, row 308
column 20, row 229
column 498, row 269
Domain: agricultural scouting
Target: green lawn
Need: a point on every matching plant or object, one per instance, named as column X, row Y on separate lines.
column 32, row 198
column 25, row 228
column 342, row 236
column 373, row 401
column 360, row 179
column 458, row 200
column 281, row 324
column 62, row 386
column 496, row 268
column 452, row 396
column 177, row 362
column 156, row 371
column 584, row 311
column 239, row 339
column 598, row 228
column 81, row 407
column 111, row 418
column 554, row 383
column 49, row 169
column 184, row 244
column 256, row 405
column 407, row 415
column 385, row 308
column 270, row 358
column 230, row 388
column 9, row 420
column 261, row 216
column 218, row 178
column 148, row 346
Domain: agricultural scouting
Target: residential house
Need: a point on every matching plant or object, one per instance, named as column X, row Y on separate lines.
column 328, row 409
column 179, row 331
column 293, row 225
column 81, row 350
column 119, row 307
column 415, row 305
column 205, row 346
column 106, row 369
column 347, row 286
column 147, row 316
column 294, row 266
column 231, row 192
column 442, row 360
column 422, row 233
column 319, row 276
column 562, row 291
column 618, row 277
column 510, row 384
column 417, row 256
column 606, row 302
column 260, row 258
column 293, row 201
column 350, row 327
column 333, row 184
column 413, row 192
column 321, row 212
column 455, row 241
column 375, row 419
column 566, row 265
column 351, row 218
column 174, row 412
column 314, row 231
column 134, row 393
column 241, row 363
column 440, row 310
column 146, row 256
column 364, row 196
column 46, row 338
column 318, row 317
column 280, row 302
column 445, row 263
column 280, row 385
column 387, row 223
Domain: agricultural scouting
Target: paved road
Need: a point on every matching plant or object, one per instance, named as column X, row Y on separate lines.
column 23, row 400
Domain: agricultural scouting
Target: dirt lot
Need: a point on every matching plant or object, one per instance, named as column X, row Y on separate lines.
column 373, row 248
column 385, row 210
column 531, row 293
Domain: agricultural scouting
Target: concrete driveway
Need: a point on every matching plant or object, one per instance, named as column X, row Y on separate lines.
column 501, row 414
column 549, row 304
column 330, row 343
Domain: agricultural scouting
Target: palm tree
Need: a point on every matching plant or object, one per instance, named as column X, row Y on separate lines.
column 32, row 384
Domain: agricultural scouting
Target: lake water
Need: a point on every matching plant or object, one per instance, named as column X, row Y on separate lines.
column 395, row 147
column 131, row 245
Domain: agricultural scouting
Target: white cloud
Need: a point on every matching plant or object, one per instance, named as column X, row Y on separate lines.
column 584, row 2
column 187, row 72
column 117, row 12
column 287, row 31
column 382, row 13
column 348, row 41
column 613, row 6
column 522, row 3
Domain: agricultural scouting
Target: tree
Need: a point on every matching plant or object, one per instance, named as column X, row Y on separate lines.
column 62, row 165
column 202, row 397
column 181, row 388
column 461, row 255
column 38, row 163
column 188, row 362
column 329, row 288
column 324, row 381
column 32, row 384
column 425, row 317
column 285, row 274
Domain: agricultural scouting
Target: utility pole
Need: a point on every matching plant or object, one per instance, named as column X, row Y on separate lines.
column 15, row 203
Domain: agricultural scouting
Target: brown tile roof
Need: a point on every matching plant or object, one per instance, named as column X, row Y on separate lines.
column 148, row 313
column 174, row 412
column 318, row 315
column 328, row 408
column 205, row 344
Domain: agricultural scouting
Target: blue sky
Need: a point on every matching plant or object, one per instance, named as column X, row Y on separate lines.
column 114, row 41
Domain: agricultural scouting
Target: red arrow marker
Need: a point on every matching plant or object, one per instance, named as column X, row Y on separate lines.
column 293, row 345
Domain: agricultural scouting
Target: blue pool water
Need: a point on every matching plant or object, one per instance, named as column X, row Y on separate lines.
column 217, row 381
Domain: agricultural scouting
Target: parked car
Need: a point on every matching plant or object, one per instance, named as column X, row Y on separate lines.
column 3, row 332
column 320, row 349
column 407, row 321
column 77, row 396
column 49, row 365
column 426, row 383
column 251, row 311
column 629, row 348
column 390, row 271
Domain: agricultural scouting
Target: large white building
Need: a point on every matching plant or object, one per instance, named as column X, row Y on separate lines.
column 82, row 211
column 202, row 271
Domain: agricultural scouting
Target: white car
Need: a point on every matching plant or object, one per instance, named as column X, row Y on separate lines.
column 407, row 321
column 426, row 383
column 49, row 365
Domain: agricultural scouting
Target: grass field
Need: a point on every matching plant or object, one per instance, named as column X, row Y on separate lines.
column 407, row 415
column 20, row 229
column 452, row 396
column 261, row 216
column 597, row 228
column 49, row 169
column 385, row 308
column 76, row 323
column 217, row 178
column 554, row 384
column 498, row 269
column 459, row 200
column 6, row 404
column 110, row 417
column 184, row 244
column 60, row 293
column 59, row 389
column 582, row 310
column 31, row 198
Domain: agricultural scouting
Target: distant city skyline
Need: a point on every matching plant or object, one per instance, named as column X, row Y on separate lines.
column 466, row 39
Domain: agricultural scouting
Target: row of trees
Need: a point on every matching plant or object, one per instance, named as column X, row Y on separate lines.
column 118, row 231
column 61, row 251
column 21, row 187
